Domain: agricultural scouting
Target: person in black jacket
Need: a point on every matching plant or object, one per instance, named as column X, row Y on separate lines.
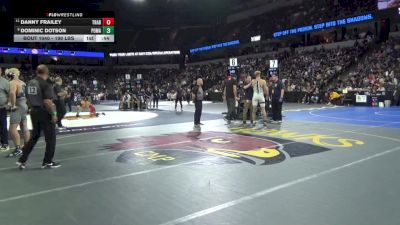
column 179, row 97
column 59, row 101
column 156, row 97
column 198, row 96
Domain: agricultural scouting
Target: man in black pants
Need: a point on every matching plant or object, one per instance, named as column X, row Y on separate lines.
column 4, row 96
column 230, row 96
column 59, row 101
column 68, row 98
column 278, row 91
column 43, row 116
column 179, row 97
column 156, row 97
column 198, row 96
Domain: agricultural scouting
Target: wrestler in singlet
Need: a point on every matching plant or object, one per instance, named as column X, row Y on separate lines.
column 19, row 110
column 259, row 91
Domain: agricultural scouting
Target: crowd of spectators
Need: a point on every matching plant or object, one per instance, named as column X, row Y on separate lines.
column 379, row 71
column 305, row 71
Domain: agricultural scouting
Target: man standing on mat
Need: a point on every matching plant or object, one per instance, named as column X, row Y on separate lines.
column 68, row 98
column 278, row 91
column 260, row 89
column 230, row 96
column 156, row 97
column 60, row 101
column 198, row 96
column 43, row 116
column 179, row 97
column 248, row 99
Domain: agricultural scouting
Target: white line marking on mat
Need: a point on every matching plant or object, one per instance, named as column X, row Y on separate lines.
column 95, row 182
column 271, row 190
column 312, row 113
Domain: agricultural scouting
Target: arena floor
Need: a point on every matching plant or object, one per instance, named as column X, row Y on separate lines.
column 323, row 165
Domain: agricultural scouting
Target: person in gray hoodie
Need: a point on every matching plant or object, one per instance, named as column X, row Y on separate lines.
column 4, row 97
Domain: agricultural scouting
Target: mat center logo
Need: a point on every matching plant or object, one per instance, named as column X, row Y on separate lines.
column 210, row 148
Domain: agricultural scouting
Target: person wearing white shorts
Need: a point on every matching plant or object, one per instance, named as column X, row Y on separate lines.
column 260, row 89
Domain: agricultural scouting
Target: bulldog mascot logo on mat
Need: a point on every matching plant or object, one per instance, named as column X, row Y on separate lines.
column 216, row 148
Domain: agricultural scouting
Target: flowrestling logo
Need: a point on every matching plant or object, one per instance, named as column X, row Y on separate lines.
column 242, row 146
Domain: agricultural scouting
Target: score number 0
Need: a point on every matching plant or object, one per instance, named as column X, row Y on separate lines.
column 108, row 21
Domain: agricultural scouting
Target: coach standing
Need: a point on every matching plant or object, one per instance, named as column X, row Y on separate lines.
column 44, row 117
column 4, row 96
column 278, row 91
column 230, row 96
column 198, row 96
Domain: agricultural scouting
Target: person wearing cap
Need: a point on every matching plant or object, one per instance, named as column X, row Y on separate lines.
column 43, row 114
column 4, row 98
column 278, row 92
column 59, row 101
column 19, row 110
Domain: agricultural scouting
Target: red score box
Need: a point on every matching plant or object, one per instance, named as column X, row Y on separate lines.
column 108, row 21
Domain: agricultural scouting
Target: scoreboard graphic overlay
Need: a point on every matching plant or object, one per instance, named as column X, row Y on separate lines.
column 66, row 27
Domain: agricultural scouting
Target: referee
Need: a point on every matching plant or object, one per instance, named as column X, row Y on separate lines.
column 43, row 116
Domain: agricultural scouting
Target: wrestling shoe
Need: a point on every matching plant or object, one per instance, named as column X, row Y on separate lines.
column 51, row 165
column 17, row 152
column 4, row 148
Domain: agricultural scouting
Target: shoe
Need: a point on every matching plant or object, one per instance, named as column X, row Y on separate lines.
column 17, row 152
column 21, row 165
column 103, row 114
column 201, row 124
column 4, row 148
column 279, row 122
column 51, row 165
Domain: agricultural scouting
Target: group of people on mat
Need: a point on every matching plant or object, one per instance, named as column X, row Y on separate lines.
column 138, row 100
column 141, row 100
column 254, row 92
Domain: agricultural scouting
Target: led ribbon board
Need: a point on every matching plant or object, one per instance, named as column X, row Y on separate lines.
column 156, row 53
column 50, row 52
column 214, row 46
column 325, row 25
